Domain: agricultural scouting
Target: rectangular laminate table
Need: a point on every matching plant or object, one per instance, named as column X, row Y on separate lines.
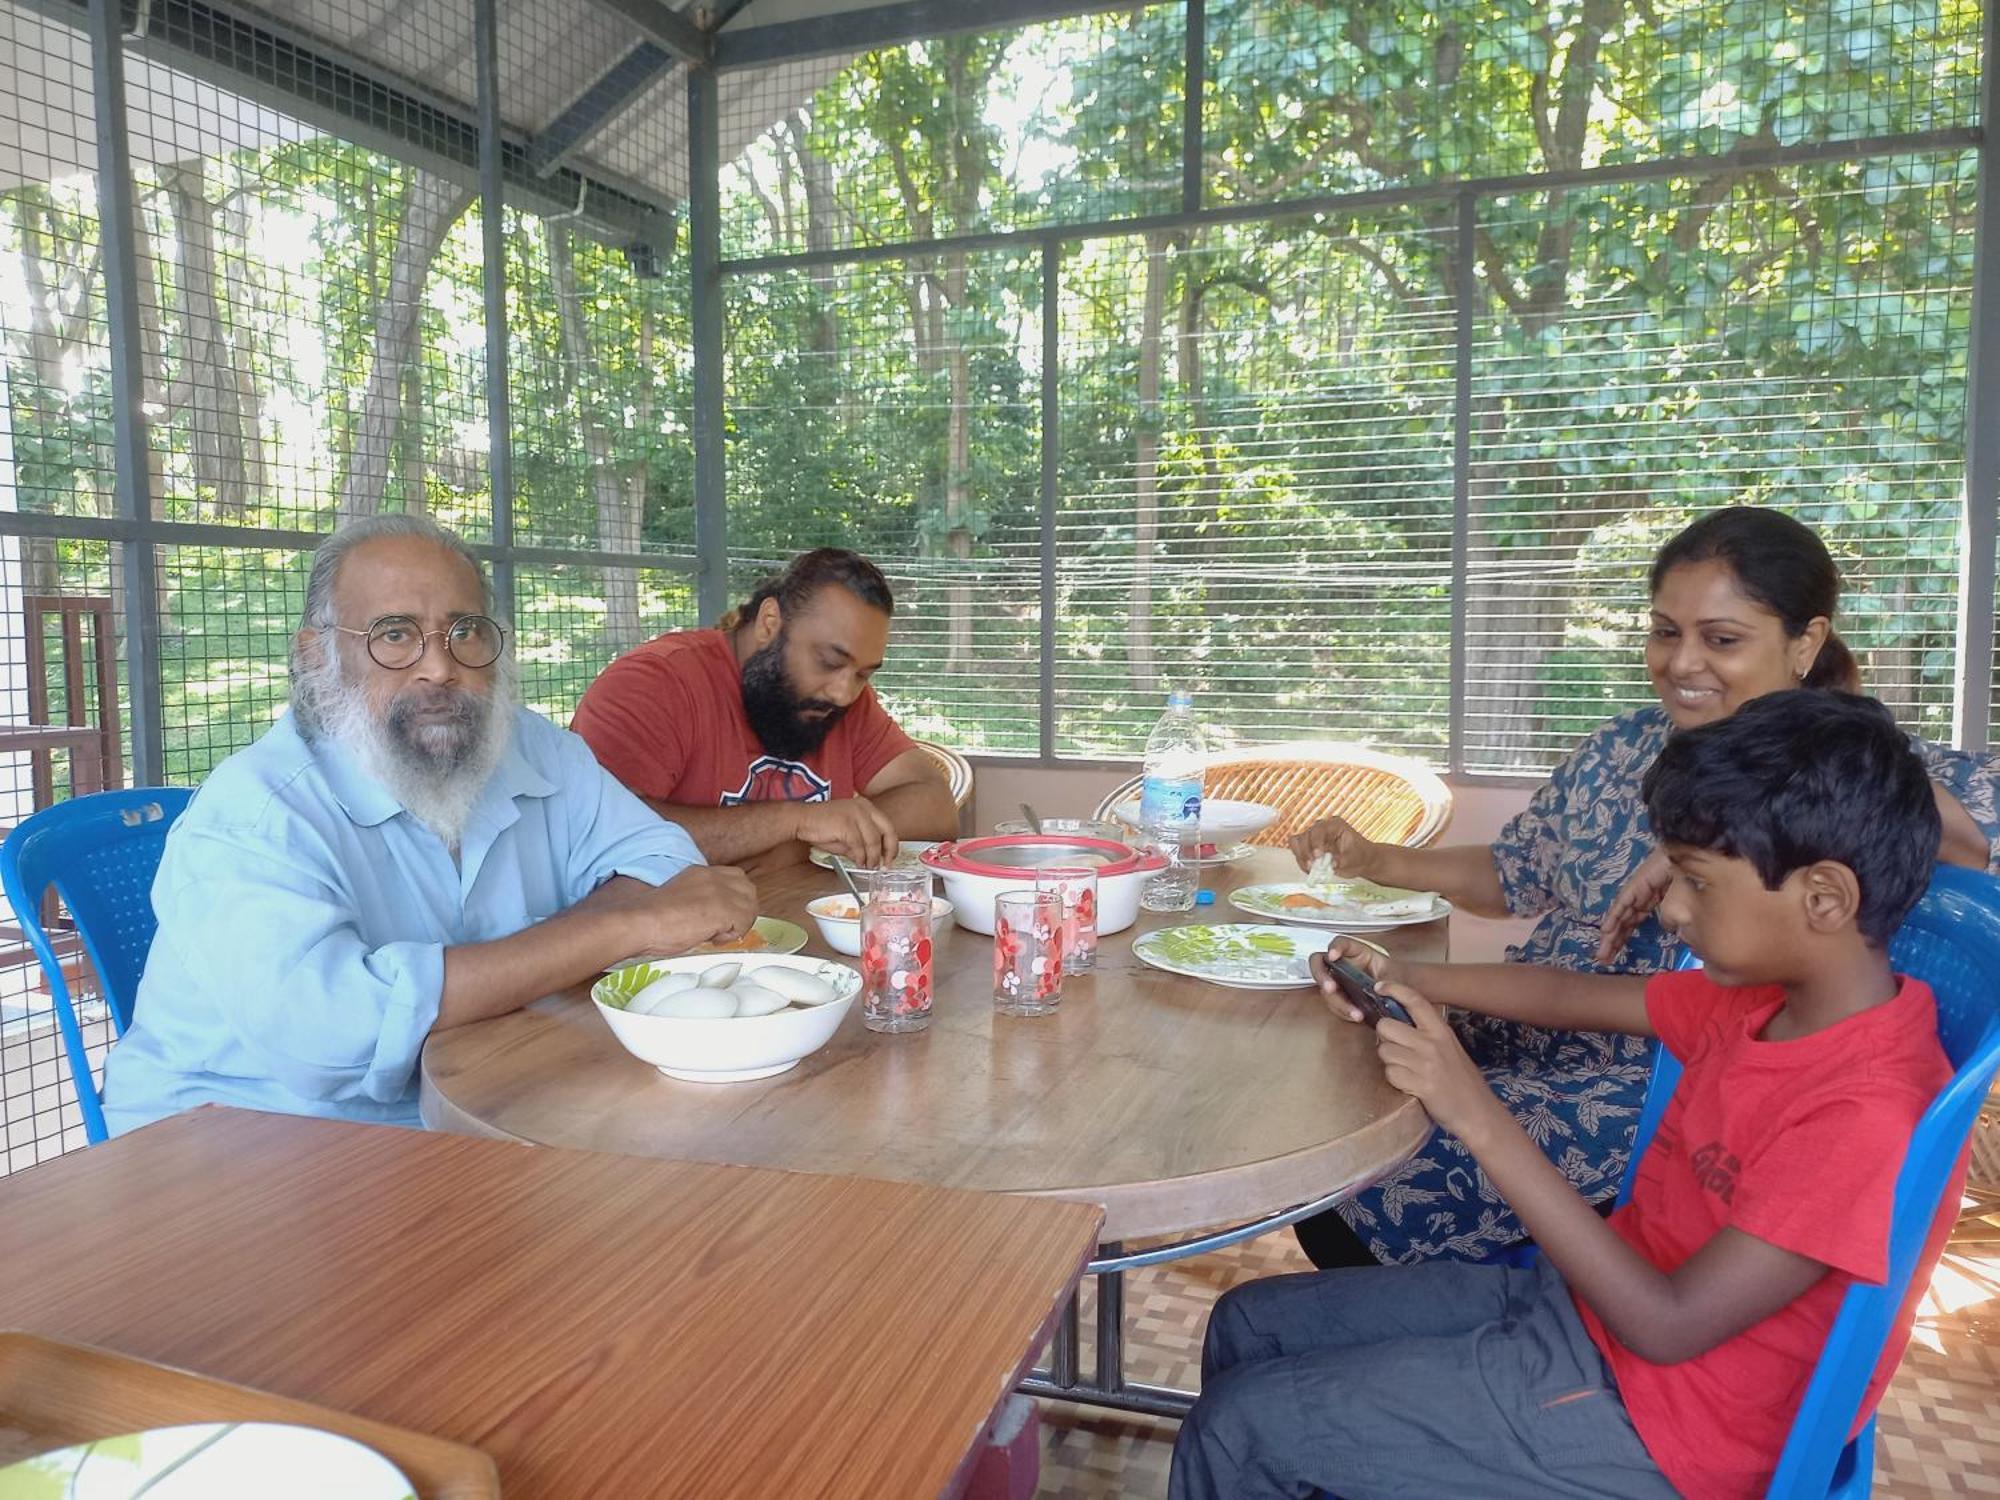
column 600, row 1325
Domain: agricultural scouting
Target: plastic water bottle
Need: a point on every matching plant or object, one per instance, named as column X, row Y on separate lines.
column 1170, row 805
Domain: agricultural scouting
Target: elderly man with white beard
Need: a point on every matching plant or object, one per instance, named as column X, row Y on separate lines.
column 405, row 851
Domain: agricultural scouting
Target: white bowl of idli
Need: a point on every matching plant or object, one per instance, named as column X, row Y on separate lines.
column 725, row 1021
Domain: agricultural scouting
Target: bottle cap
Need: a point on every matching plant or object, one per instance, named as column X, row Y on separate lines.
column 1204, row 898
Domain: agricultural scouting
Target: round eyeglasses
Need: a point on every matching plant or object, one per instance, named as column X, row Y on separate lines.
column 398, row 642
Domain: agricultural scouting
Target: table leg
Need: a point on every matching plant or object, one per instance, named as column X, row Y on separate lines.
column 1107, row 1385
column 1063, row 1349
column 1110, row 1369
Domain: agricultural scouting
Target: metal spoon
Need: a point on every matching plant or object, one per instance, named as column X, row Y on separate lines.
column 1034, row 822
column 847, row 879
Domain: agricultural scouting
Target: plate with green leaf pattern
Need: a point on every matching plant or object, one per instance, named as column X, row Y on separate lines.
column 1242, row 955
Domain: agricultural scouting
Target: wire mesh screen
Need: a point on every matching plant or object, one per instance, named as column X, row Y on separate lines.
column 1312, row 99
column 63, row 721
column 566, row 632
column 56, row 350
column 893, row 407
column 599, row 360
column 226, row 617
column 1788, row 340
column 303, row 306
column 64, row 709
column 1069, row 121
column 1258, row 468
column 602, row 399
column 1256, row 486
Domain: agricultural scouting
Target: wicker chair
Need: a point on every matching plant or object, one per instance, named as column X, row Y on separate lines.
column 956, row 768
column 1386, row 798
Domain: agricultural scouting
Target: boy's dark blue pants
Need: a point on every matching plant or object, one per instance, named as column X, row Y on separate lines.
column 1443, row 1379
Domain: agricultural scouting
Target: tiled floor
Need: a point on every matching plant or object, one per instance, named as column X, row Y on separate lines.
column 1940, row 1422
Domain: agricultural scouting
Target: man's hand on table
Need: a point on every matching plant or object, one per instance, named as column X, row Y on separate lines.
column 854, row 828
column 702, row 904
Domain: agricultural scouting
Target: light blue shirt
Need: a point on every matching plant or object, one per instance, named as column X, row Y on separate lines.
column 304, row 917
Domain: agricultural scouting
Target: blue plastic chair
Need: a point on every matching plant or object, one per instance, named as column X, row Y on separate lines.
column 1951, row 942
column 100, row 853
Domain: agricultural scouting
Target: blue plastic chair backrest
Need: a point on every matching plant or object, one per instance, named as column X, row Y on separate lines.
column 1951, row 941
column 100, row 853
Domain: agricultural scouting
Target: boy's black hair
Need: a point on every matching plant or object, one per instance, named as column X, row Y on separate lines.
column 1799, row 776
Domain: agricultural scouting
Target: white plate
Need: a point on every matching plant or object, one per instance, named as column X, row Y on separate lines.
column 778, row 937
column 1263, row 901
column 1223, row 820
column 909, row 849
column 204, row 1460
column 1241, row 955
column 1228, row 856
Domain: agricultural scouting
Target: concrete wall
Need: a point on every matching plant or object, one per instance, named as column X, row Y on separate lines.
column 1479, row 809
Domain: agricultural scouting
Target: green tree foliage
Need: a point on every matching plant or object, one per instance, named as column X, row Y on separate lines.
column 1256, row 417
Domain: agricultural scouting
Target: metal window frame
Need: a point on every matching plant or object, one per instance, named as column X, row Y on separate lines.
column 1975, row 686
column 257, row 57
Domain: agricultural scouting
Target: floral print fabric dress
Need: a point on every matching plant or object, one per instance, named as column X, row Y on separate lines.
column 1565, row 858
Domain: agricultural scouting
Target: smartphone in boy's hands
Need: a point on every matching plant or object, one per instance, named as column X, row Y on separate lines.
column 1362, row 994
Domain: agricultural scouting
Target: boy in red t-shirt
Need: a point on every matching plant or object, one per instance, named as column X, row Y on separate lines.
column 1665, row 1350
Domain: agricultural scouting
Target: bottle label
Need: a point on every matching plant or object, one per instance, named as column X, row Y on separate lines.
column 1165, row 799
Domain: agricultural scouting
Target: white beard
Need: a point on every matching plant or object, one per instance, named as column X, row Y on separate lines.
column 435, row 770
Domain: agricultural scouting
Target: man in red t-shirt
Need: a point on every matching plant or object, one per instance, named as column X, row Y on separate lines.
column 762, row 737
column 1665, row 1351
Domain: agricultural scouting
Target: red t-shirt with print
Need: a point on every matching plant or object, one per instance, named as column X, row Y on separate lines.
column 667, row 719
column 1798, row 1143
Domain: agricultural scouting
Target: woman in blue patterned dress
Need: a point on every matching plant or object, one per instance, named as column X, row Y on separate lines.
column 1742, row 605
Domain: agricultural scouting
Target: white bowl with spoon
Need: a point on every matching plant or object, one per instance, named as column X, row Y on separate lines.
column 839, row 921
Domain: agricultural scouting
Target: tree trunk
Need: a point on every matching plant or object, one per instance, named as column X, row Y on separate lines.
column 206, row 391
column 1516, row 609
column 816, row 173
column 157, row 255
column 1143, row 666
column 51, row 329
column 958, row 472
column 618, row 512
column 243, row 375
column 431, row 205
column 416, row 493
column 1215, row 600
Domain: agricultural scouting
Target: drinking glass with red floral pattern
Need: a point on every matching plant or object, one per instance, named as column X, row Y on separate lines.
column 1027, row 952
column 896, row 952
column 1076, row 886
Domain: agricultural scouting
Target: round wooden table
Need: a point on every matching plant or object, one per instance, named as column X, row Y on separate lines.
column 1173, row 1103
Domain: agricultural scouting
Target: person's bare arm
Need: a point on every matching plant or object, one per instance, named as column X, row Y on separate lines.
column 1962, row 843
column 1463, row 874
column 1559, row 999
column 911, row 792
column 732, row 835
column 767, row 835
column 1732, row 1282
column 621, row 919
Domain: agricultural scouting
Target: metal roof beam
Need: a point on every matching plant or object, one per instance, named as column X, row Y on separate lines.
column 318, row 83
column 886, row 25
column 663, row 26
column 597, row 106
column 621, row 83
